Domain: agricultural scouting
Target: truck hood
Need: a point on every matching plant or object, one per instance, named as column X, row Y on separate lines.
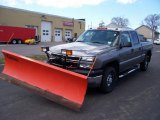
column 81, row 49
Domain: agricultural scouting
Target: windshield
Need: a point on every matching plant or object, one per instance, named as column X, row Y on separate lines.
column 106, row 37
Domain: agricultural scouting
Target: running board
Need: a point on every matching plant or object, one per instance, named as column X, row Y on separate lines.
column 130, row 71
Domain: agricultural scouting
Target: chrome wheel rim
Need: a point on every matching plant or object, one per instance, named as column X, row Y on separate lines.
column 146, row 63
column 19, row 42
column 109, row 79
column 14, row 42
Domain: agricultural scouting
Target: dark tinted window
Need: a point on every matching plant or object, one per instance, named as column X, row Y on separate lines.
column 134, row 37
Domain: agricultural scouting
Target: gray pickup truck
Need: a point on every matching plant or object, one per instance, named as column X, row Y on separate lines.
column 106, row 54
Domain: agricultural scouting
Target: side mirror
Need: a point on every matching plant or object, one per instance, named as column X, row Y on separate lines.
column 126, row 44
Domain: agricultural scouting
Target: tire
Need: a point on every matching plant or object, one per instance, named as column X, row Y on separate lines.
column 144, row 64
column 14, row 41
column 109, row 80
column 19, row 42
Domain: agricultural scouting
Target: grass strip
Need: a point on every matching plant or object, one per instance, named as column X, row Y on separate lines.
column 35, row 57
column 38, row 57
column 1, row 60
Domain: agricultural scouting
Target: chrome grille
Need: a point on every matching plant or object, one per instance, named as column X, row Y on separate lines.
column 64, row 61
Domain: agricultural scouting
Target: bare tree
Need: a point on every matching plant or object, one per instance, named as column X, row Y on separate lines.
column 120, row 21
column 101, row 24
column 152, row 21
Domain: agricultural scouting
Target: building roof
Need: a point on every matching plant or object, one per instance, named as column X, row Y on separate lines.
column 40, row 13
column 113, row 25
column 145, row 27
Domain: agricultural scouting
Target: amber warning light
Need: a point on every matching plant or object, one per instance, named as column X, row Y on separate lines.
column 67, row 52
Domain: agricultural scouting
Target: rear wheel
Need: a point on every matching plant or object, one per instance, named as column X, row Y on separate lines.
column 109, row 80
column 144, row 64
column 14, row 41
column 19, row 42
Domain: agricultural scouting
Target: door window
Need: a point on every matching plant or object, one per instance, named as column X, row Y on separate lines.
column 45, row 32
column 67, row 33
column 125, row 38
column 134, row 37
column 57, row 33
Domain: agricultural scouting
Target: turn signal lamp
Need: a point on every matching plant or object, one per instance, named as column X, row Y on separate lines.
column 66, row 52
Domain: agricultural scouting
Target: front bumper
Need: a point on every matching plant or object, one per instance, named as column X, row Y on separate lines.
column 94, row 81
column 95, row 77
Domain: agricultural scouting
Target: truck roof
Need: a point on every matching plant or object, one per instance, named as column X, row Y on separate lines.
column 115, row 29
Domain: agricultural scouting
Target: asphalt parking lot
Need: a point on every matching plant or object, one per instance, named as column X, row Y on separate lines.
column 136, row 97
column 27, row 50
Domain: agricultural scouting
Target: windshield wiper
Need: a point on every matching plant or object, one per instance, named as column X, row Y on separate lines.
column 80, row 41
column 97, row 42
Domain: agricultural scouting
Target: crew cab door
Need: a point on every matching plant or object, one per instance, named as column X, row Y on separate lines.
column 125, row 52
column 137, row 48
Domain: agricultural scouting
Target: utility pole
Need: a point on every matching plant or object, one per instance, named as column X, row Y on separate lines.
column 153, row 31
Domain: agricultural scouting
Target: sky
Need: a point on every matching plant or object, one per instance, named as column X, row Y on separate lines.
column 94, row 11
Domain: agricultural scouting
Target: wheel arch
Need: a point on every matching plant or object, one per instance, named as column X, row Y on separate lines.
column 149, row 53
column 114, row 64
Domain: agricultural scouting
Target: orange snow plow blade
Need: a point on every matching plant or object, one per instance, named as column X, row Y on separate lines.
column 57, row 84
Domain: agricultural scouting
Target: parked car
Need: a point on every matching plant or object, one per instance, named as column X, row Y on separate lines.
column 157, row 42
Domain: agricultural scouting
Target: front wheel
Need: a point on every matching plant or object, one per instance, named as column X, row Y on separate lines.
column 144, row 64
column 108, row 80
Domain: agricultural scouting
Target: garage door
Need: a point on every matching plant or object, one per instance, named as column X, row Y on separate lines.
column 58, row 35
column 68, row 34
column 45, row 31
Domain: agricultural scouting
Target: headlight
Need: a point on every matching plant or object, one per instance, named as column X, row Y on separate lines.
column 85, row 65
column 88, row 58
